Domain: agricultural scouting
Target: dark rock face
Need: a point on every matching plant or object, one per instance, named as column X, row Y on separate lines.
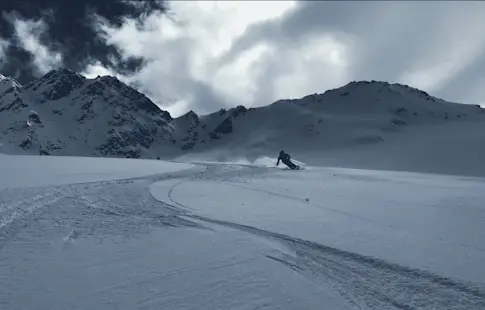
column 239, row 111
column 43, row 151
column 127, row 142
column 57, row 84
column 138, row 101
column 9, row 90
column 127, row 135
column 192, row 136
column 117, row 146
column 26, row 144
column 224, row 128
column 87, row 112
column 94, row 89
column 34, row 117
column 16, row 105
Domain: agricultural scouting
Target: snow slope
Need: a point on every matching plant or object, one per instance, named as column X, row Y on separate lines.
column 239, row 236
column 18, row 171
column 374, row 125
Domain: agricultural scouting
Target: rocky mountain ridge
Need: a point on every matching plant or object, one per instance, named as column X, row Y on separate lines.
column 65, row 113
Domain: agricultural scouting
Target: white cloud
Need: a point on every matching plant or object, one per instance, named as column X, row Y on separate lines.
column 456, row 45
column 96, row 69
column 209, row 55
column 28, row 33
column 182, row 51
column 321, row 64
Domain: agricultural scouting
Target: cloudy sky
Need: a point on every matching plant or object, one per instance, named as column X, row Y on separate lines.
column 204, row 55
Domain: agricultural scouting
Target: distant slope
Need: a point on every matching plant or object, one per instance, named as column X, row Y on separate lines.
column 373, row 125
column 358, row 113
column 362, row 124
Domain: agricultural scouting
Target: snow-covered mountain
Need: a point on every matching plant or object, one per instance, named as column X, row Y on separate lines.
column 358, row 113
column 64, row 113
column 365, row 124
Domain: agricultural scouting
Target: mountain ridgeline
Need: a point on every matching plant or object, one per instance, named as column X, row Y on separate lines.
column 64, row 113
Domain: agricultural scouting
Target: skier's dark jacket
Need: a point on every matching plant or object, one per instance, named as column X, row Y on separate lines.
column 285, row 158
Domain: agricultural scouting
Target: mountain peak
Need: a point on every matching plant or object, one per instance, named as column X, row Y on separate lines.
column 364, row 90
column 111, row 81
column 7, row 81
column 8, row 87
column 190, row 114
column 61, row 73
column 57, row 83
column 383, row 85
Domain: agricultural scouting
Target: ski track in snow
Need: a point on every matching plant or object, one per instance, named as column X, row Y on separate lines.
column 94, row 208
column 366, row 282
column 126, row 207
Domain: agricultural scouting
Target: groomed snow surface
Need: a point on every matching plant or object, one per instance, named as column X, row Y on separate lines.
column 86, row 233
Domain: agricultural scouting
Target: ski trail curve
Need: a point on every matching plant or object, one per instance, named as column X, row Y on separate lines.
column 365, row 282
column 368, row 281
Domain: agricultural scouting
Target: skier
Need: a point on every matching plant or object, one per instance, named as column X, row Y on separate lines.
column 285, row 158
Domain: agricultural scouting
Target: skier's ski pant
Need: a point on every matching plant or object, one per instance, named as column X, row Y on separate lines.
column 289, row 164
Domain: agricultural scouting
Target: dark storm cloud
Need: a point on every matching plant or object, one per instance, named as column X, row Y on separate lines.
column 69, row 31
